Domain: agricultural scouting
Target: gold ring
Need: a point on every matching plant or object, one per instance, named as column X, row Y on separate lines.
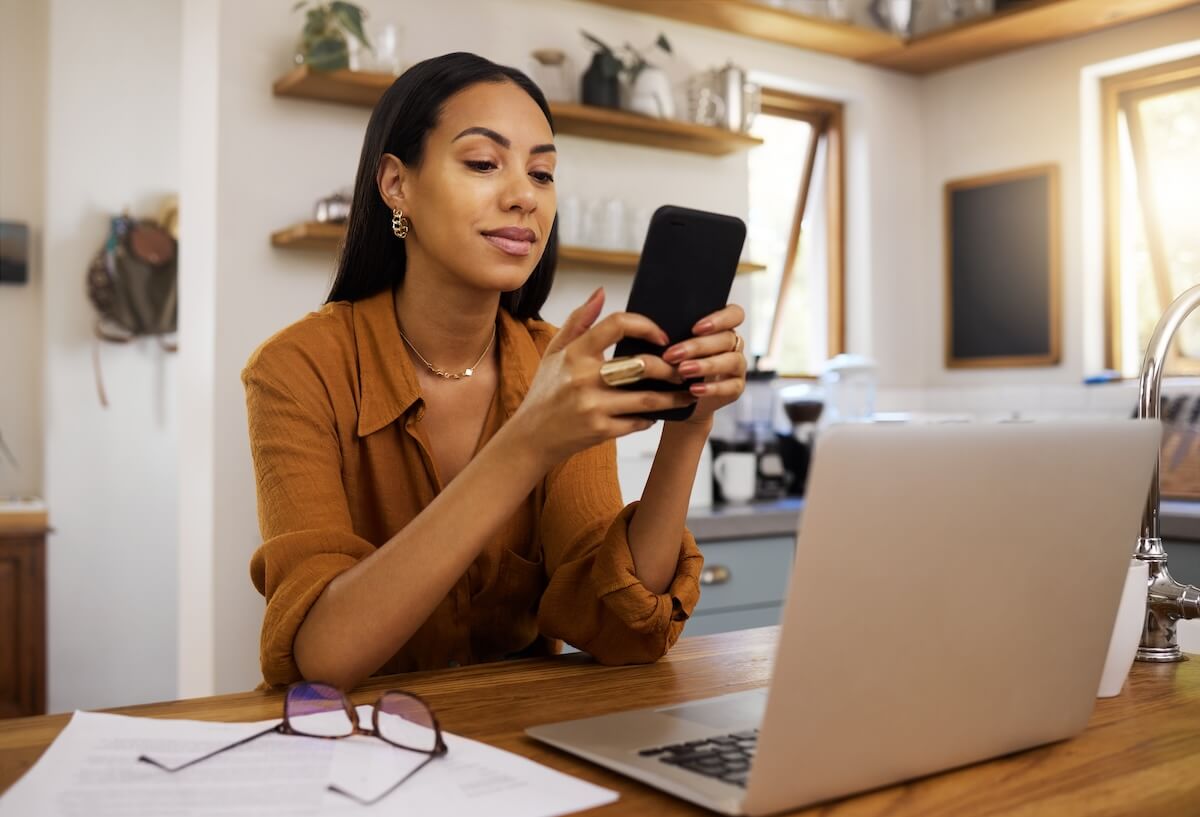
column 738, row 343
column 622, row 370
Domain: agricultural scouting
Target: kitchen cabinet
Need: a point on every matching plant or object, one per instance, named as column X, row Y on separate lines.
column 22, row 622
column 743, row 584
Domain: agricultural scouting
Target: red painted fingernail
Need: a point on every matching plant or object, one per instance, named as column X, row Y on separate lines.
column 699, row 388
column 690, row 368
column 675, row 355
column 704, row 326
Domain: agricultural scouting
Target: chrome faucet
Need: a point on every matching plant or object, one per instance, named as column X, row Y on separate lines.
column 1167, row 601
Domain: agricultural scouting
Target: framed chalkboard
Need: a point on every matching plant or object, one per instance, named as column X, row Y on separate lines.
column 1003, row 286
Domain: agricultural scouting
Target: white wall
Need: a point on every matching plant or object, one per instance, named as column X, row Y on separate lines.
column 271, row 158
column 112, row 142
column 1020, row 109
column 22, row 134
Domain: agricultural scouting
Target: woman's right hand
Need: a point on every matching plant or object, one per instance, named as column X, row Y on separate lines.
column 568, row 407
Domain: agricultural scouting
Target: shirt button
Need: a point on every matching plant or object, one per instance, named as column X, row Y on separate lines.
column 454, row 664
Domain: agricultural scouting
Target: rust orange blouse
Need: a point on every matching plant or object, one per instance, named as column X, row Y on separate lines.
column 342, row 464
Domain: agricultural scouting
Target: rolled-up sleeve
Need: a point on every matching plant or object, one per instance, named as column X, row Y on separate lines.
column 594, row 599
column 308, row 538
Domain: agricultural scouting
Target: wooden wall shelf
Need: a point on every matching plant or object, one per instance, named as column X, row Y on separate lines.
column 364, row 89
column 754, row 18
column 314, row 235
column 592, row 122
column 310, row 235
column 358, row 88
column 1035, row 22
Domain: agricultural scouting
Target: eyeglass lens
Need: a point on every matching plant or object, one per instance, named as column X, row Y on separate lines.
column 405, row 721
column 318, row 710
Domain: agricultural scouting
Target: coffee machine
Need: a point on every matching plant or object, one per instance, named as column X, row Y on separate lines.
column 804, row 405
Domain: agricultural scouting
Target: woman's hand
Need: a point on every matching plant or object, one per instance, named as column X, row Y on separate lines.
column 715, row 353
column 568, row 407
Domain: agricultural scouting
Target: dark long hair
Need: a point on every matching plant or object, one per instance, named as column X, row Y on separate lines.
column 373, row 259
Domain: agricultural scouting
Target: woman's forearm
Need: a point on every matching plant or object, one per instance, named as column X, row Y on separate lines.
column 656, row 529
column 368, row 613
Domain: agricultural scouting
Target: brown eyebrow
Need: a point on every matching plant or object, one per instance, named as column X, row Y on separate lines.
column 501, row 140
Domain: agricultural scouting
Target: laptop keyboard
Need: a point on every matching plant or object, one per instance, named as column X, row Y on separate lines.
column 725, row 757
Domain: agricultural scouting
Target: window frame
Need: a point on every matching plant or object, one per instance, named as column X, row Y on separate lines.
column 1119, row 92
column 826, row 118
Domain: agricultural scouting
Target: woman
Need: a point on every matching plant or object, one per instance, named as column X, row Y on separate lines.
column 435, row 465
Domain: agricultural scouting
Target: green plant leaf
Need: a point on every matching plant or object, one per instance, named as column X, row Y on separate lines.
column 315, row 23
column 663, row 43
column 603, row 48
column 328, row 54
column 299, row 5
column 350, row 17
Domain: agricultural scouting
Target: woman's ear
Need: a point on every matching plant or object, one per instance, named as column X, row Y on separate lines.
column 391, row 179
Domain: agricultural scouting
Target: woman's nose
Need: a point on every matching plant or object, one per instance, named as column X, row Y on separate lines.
column 519, row 194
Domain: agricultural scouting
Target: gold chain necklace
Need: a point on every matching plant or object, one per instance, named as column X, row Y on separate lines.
column 442, row 373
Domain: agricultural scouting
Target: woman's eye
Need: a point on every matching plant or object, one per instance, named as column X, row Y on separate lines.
column 481, row 165
column 542, row 176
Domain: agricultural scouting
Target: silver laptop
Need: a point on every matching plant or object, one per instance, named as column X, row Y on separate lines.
column 952, row 597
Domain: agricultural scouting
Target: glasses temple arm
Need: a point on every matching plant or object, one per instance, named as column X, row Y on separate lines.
column 372, row 801
column 147, row 759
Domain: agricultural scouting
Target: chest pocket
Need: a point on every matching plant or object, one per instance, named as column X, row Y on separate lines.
column 504, row 613
column 517, row 586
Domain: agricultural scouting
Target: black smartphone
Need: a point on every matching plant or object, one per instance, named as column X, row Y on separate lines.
column 685, row 273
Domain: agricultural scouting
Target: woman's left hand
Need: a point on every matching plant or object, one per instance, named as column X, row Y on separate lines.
column 715, row 353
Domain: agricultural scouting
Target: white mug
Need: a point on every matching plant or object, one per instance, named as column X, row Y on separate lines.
column 1127, row 631
column 736, row 473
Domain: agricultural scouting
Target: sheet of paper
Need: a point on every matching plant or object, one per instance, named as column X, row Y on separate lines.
column 471, row 779
column 92, row 769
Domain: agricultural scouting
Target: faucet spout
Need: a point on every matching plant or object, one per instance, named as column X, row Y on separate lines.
column 1167, row 600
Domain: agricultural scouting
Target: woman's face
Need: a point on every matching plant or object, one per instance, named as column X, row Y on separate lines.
column 482, row 201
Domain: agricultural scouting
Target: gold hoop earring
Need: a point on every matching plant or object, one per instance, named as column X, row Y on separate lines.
column 399, row 224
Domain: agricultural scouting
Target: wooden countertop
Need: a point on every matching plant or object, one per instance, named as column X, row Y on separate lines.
column 1139, row 755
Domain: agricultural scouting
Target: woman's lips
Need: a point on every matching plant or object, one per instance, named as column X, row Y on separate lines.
column 509, row 245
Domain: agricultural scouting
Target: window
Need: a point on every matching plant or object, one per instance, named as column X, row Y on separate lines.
column 795, row 229
column 1152, row 175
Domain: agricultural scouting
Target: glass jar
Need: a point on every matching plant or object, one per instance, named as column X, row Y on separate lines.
column 849, row 383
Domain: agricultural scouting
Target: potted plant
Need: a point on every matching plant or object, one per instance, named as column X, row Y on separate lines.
column 323, row 40
column 647, row 86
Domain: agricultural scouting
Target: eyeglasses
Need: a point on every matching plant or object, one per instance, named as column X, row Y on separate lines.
column 317, row 710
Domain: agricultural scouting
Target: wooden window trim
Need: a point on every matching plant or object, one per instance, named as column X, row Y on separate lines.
column 1116, row 92
column 826, row 118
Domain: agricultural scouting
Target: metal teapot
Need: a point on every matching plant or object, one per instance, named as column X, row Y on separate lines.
column 724, row 98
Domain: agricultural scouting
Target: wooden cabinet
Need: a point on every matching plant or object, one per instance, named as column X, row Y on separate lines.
column 22, row 622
